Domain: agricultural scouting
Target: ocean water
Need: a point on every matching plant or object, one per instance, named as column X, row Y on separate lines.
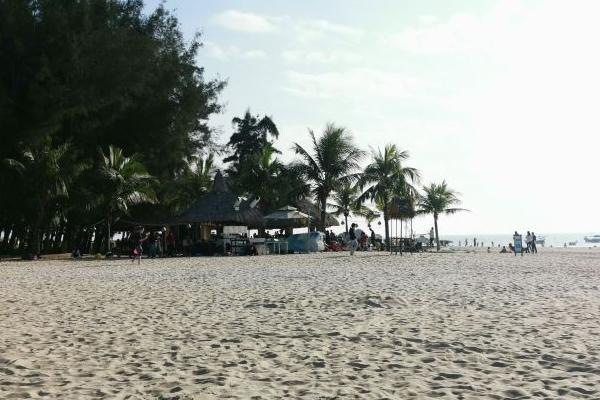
column 552, row 239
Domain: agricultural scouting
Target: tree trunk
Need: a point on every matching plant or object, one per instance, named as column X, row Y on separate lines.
column 35, row 241
column 437, row 236
column 12, row 243
column 387, row 228
column 6, row 239
column 346, row 217
column 108, row 234
column 323, row 214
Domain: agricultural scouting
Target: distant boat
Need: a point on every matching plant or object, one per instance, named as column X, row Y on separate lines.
column 592, row 239
column 541, row 240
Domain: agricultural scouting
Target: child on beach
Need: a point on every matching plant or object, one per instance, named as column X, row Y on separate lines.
column 138, row 247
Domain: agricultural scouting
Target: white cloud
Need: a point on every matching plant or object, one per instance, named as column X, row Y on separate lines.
column 461, row 32
column 310, row 30
column 226, row 53
column 244, row 21
column 319, row 57
column 352, row 83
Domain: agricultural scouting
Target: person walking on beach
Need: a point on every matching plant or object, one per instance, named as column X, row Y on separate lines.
column 474, row 242
column 373, row 237
column 352, row 237
column 528, row 241
column 431, row 237
column 138, row 246
column 533, row 244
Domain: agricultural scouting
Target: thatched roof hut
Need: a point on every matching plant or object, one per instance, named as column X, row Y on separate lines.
column 308, row 207
column 221, row 207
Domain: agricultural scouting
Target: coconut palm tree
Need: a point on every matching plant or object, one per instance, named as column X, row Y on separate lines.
column 46, row 172
column 381, row 179
column 438, row 199
column 345, row 201
column 250, row 137
column 368, row 214
column 404, row 201
column 263, row 168
column 193, row 182
column 126, row 183
column 332, row 162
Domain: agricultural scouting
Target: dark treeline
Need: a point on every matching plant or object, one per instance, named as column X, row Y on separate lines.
column 104, row 114
column 77, row 76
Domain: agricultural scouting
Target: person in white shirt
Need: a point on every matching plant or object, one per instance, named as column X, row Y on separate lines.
column 528, row 239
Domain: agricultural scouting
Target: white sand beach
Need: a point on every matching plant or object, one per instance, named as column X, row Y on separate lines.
column 324, row 326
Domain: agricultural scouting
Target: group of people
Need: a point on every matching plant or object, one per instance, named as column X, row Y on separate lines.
column 530, row 242
column 153, row 243
column 529, row 246
column 359, row 240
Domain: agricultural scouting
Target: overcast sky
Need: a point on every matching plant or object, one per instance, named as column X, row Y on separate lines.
column 500, row 98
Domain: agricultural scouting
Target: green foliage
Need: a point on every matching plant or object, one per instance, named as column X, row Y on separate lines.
column 190, row 185
column 44, row 175
column 99, row 73
column 346, row 202
column 384, row 177
column 438, row 199
column 262, row 175
column 95, row 73
column 126, row 182
column 251, row 136
column 333, row 161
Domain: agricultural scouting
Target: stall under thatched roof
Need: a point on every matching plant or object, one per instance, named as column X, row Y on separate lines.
column 221, row 207
column 308, row 207
column 285, row 217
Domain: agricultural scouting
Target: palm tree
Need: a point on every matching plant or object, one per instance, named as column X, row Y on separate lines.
column 404, row 201
column 46, row 173
column 250, row 137
column 368, row 214
column 438, row 199
column 382, row 178
column 345, row 201
column 191, row 184
column 333, row 161
column 127, row 183
column 260, row 177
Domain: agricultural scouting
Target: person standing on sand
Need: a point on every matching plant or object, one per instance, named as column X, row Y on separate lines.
column 431, row 237
column 373, row 237
column 533, row 244
column 528, row 241
column 352, row 237
column 474, row 242
column 138, row 249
